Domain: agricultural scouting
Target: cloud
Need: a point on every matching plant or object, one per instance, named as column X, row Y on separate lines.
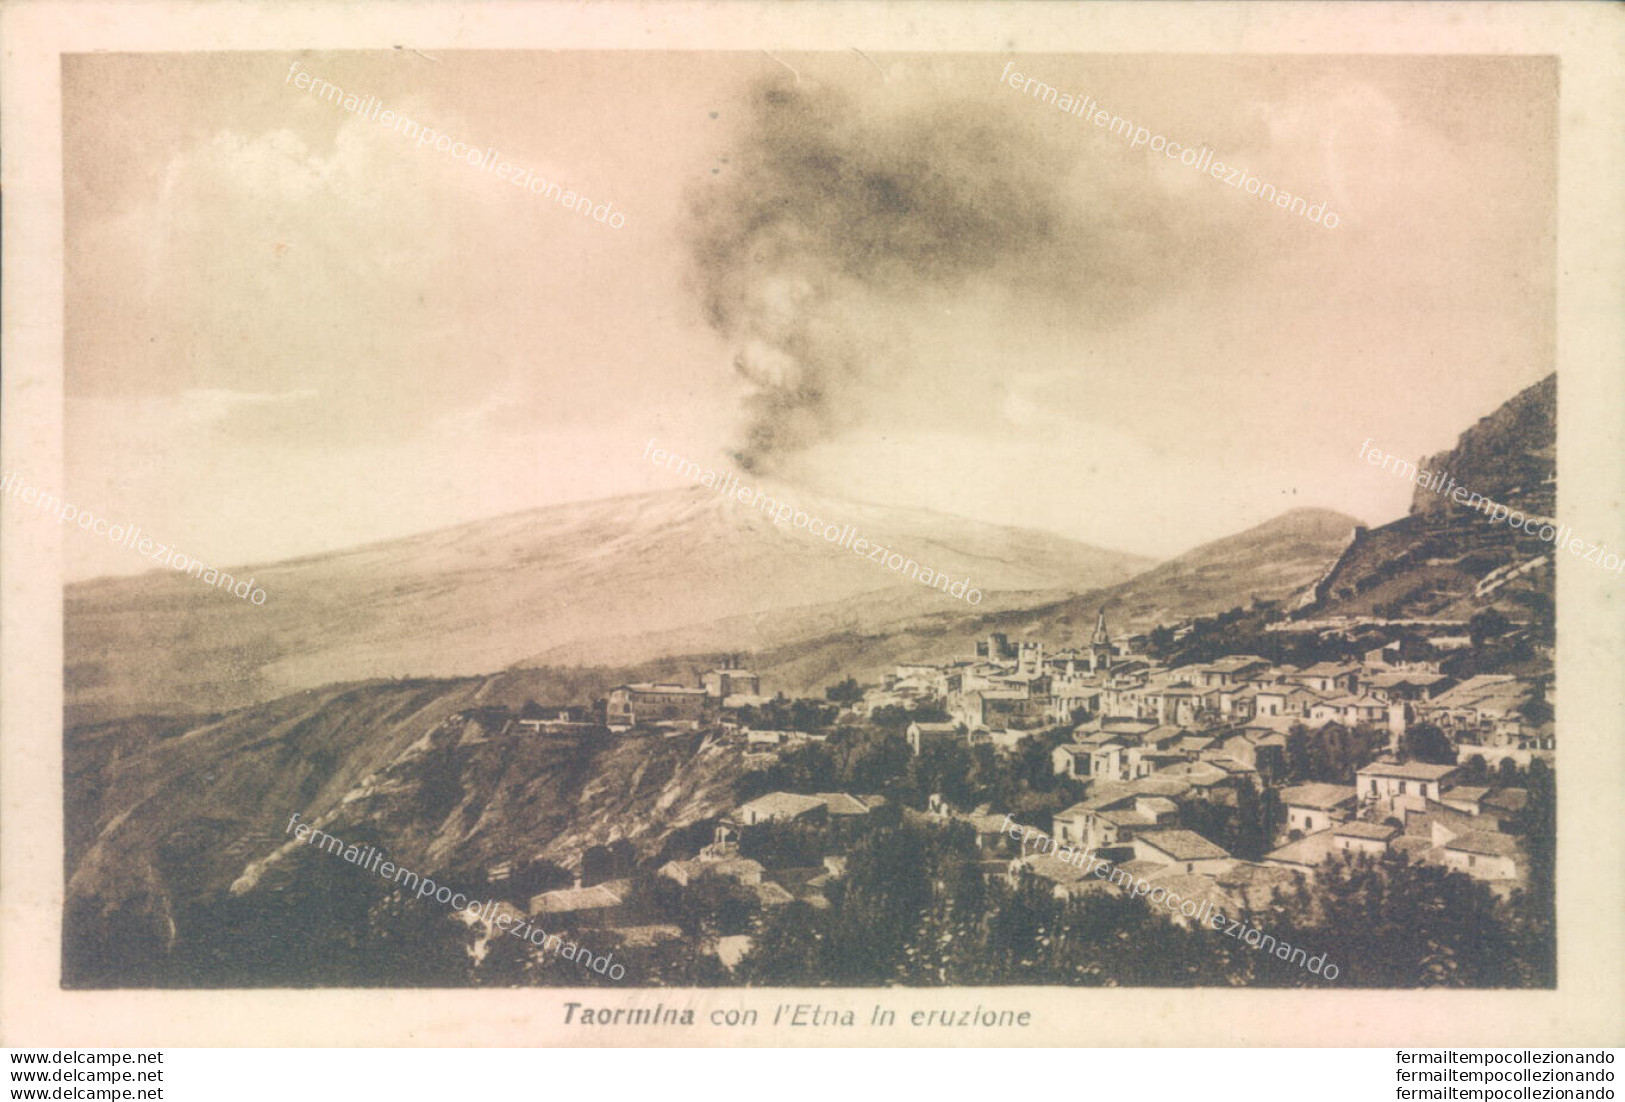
column 306, row 254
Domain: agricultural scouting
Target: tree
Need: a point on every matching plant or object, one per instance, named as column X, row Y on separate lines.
column 713, row 906
column 879, row 764
column 1298, row 764
column 1536, row 908
column 1474, row 771
column 1426, row 743
column 1257, row 817
column 1537, row 709
column 1212, row 821
column 533, row 877
column 1486, row 625
column 684, row 842
column 888, row 886
column 890, row 717
column 783, row 844
column 1034, row 767
column 844, row 692
column 1161, row 639
column 1332, row 753
column 418, row 946
column 506, row 962
column 809, row 715
column 611, row 862
column 441, row 787
column 895, row 717
column 788, row 951
column 943, row 767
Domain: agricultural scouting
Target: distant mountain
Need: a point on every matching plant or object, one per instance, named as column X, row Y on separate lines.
column 613, row 582
column 175, row 825
column 1271, row 562
column 1447, row 561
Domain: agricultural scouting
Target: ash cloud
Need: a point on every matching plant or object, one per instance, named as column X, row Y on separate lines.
column 841, row 220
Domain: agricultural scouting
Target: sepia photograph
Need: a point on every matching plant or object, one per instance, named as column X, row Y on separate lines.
column 816, row 536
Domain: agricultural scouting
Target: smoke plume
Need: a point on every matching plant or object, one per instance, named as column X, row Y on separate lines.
column 845, row 224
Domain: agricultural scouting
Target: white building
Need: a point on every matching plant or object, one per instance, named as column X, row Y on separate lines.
column 1402, row 787
column 1311, row 808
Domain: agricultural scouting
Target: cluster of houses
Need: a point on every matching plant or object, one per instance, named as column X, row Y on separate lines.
column 1157, row 741
column 649, row 704
column 1411, row 808
column 488, row 723
column 1418, row 810
column 1144, row 826
column 1011, row 689
column 1155, row 751
column 603, row 904
column 725, row 688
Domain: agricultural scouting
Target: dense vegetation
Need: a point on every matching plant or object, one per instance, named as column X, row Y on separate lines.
column 915, row 906
column 914, row 910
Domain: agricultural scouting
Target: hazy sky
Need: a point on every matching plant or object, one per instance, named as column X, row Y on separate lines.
column 890, row 278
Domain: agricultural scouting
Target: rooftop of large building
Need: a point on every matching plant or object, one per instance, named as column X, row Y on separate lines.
column 1233, row 662
column 569, row 900
column 1410, row 770
column 1320, row 797
column 1308, row 851
column 1331, row 669
column 1483, row 842
column 776, row 804
column 1183, row 845
column 840, row 803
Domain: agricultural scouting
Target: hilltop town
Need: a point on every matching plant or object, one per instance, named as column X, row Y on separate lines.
column 1240, row 780
column 1340, row 736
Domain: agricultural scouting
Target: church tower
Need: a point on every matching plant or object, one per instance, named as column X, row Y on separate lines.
column 1100, row 646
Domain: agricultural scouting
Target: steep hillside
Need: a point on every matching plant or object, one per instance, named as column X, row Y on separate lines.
column 161, row 817
column 1270, row 562
column 1509, row 456
column 1447, row 561
column 614, row 582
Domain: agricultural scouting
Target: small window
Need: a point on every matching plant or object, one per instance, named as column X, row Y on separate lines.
column 1402, row 788
column 1471, row 860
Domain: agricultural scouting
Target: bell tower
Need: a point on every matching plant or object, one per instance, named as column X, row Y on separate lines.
column 1100, row 645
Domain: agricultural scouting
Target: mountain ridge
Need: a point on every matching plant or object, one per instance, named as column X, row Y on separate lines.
column 1270, row 561
column 1435, row 560
column 612, row 581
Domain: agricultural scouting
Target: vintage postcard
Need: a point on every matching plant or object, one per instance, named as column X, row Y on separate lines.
column 812, row 525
